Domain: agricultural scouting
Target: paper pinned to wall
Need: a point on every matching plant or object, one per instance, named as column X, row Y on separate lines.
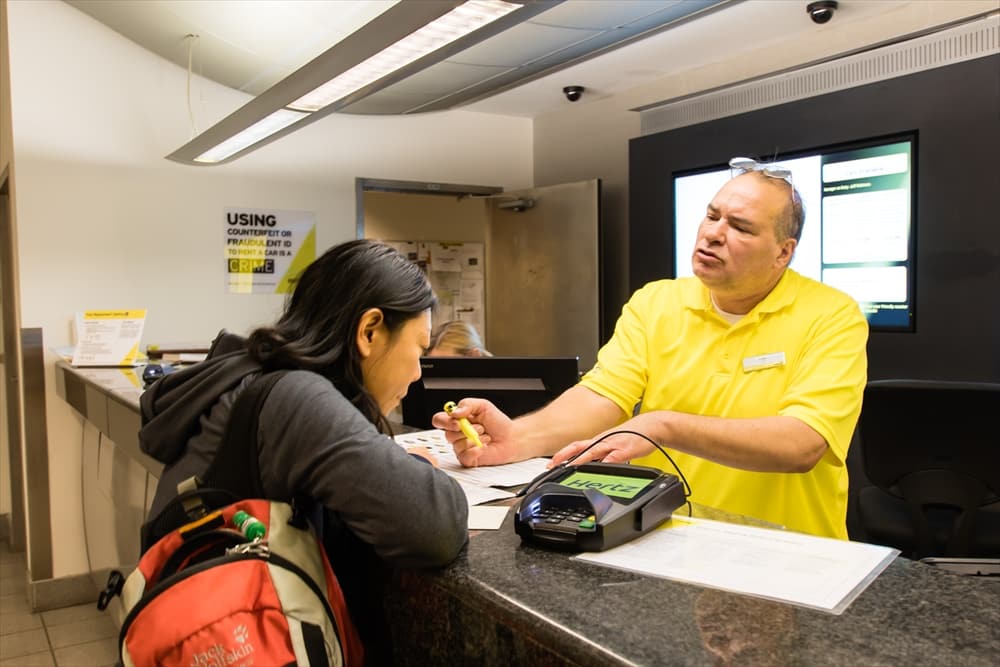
column 445, row 257
column 470, row 307
column 471, row 260
column 457, row 274
column 409, row 249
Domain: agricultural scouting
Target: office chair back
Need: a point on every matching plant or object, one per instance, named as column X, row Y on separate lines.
column 932, row 450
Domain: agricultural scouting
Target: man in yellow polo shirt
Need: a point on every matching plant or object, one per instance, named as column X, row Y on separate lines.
column 749, row 374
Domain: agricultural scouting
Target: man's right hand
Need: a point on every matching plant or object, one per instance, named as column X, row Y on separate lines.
column 495, row 429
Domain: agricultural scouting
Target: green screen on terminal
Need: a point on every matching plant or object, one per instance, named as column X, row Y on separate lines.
column 611, row 485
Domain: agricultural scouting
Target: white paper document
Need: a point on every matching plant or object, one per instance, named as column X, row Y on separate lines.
column 511, row 474
column 487, row 518
column 816, row 572
column 476, row 494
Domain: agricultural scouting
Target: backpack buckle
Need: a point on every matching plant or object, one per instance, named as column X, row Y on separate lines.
column 116, row 580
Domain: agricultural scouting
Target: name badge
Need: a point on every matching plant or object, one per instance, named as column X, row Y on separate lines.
column 762, row 361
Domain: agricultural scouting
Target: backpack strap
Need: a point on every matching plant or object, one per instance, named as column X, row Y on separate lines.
column 181, row 510
column 236, row 467
column 234, row 473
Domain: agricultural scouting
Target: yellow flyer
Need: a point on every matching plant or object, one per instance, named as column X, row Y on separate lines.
column 108, row 337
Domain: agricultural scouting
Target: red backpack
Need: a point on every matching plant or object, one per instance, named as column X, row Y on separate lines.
column 225, row 581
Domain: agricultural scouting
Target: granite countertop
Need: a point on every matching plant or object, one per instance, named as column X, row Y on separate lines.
column 503, row 601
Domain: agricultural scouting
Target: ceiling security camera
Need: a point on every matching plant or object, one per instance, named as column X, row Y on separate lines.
column 822, row 11
column 573, row 93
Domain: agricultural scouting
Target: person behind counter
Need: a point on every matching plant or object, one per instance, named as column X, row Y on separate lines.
column 456, row 338
column 749, row 373
column 352, row 334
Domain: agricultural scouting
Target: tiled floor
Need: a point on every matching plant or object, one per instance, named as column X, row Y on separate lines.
column 78, row 636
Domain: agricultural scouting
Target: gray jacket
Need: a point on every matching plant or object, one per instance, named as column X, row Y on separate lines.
column 311, row 440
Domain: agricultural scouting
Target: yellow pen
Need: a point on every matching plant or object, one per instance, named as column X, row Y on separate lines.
column 464, row 424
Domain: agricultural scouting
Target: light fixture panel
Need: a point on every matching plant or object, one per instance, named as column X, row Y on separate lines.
column 483, row 18
column 263, row 128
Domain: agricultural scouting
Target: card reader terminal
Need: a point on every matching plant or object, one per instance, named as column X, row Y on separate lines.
column 595, row 506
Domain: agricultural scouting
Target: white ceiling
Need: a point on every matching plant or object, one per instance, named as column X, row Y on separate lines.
column 248, row 45
column 251, row 44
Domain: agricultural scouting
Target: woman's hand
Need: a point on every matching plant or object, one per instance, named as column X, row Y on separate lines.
column 423, row 453
column 495, row 429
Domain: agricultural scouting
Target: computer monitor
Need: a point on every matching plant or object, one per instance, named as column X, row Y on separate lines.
column 516, row 385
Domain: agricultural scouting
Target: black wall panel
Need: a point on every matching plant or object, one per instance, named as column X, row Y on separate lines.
column 956, row 113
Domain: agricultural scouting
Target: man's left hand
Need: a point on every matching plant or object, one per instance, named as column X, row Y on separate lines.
column 617, row 448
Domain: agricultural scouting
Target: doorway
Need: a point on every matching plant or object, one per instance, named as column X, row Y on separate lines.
column 543, row 288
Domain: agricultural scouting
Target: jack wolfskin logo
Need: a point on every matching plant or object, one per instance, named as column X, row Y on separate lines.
column 218, row 655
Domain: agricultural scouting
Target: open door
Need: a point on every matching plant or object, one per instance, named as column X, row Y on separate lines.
column 543, row 279
column 543, row 290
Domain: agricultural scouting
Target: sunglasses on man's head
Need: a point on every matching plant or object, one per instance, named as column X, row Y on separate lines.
column 742, row 165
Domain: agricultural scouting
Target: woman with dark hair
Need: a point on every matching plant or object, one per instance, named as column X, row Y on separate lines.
column 359, row 287
column 351, row 334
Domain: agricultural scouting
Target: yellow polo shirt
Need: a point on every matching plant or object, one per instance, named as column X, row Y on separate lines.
column 799, row 353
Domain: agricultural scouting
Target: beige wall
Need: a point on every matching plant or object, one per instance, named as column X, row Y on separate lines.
column 106, row 222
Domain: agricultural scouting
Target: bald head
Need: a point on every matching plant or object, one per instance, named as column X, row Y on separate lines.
column 792, row 217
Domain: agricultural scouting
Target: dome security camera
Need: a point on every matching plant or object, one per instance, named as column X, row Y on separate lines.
column 821, row 11
column 573, row 93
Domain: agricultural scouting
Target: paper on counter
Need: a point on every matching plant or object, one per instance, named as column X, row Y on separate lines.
column 487, row 518
column 510, row 474
column 816, row 572
column 477, row 495
column 108, row 337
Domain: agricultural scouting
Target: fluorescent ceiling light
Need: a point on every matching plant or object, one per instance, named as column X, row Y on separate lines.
column 461, row 21
column 267, row 126
column 408, row 37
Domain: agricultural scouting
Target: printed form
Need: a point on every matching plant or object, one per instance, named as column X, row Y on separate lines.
column 816, row 572
column 511, row 474
column 477, row 483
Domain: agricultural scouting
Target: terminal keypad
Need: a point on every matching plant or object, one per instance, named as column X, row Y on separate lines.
column 565, row 516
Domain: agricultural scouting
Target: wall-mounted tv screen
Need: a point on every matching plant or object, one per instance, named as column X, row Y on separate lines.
column 859, row 231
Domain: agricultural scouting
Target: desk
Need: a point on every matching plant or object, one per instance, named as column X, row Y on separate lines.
column 505, row 603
